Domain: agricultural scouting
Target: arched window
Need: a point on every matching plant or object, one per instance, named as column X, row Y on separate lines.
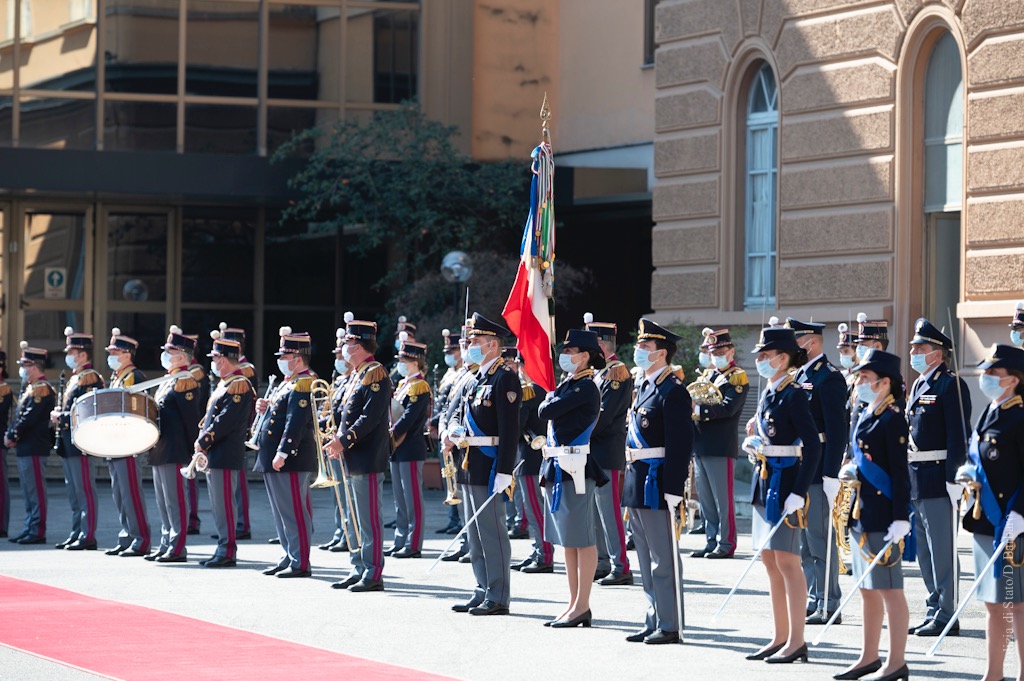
column 943, row 128
column 761, row 194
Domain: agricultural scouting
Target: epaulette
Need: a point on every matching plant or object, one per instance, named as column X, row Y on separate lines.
column 302, row 385
column 419, row 387
column 247, row 370
column 239, row 385
column 737, row 376
column 374, row 373
column 5, row 389
column 1014, row 401
column 886, row 404
column 528, row 392
column 817, row 365
column 197, row 372
column 500, row 362
column 675, row 371
column 88, row 377
column 616, row 371
column 41, row 389
column 786, row 382
column 186, row 383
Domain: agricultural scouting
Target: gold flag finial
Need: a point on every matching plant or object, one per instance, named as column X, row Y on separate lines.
column 545, row 117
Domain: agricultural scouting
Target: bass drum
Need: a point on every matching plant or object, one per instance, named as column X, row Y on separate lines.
column 114, row 423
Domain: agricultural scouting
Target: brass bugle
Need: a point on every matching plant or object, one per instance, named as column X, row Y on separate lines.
column 200, row 462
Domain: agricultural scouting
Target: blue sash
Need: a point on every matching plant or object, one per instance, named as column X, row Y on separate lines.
column 652, row 495
column 881, row 481
column 581, row 439
column 489, row 451
column 777, row 464
column 989, row 504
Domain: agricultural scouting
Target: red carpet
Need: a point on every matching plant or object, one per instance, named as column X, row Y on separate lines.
column 131, row 642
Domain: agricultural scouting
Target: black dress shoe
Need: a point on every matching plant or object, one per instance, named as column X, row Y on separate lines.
column 630, row 545
column 153, row 556
column 15, row 540
column 444, row 530
column 455, row 529
column 520, row 565
column 367, row 585
column 700, row 553
column 116, row 551
column 407, row 553
column 392, row 550
column 699, row 529
column 25, row 541
column 583, row 620
column 63, row 544
column 822, row 617
column 218, row 563
column 659, row 637
column 466, row 607
column 518, row 534
column 913, row 629
column 292, row 573
column 765, row 652
column 346, row 583
column 639, row 636
column 464, row 558
column 489, row 608
column 81, row 545
column 3, row 535
column 239, row 536
column 799, row 654
column 933, row 628
column 274, row 569
column 850, row 674
column 339, row 548
column 390, row 525
column 192, row 530
column 452, row 557
column 132, row 553
column 601, row 574
column 274, row 540
column 171, row 558
column 328, row 545
column 536, row 568
column 901, row 673
column 718, row 555
column 623, row 579
column 214, row 536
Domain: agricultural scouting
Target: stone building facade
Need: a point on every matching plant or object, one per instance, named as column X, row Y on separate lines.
column 820, row 158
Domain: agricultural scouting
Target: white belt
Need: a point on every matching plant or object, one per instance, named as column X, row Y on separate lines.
column 480, row 441
column 554, row 452
column 783, row 451
column 652, row 453
column 929, row 455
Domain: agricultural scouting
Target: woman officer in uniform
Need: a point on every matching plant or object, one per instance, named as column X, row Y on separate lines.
column 784, row 441
column 878, row 447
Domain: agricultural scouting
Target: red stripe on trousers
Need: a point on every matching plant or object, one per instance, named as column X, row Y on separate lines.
column 179, row 488
column 140, row 510
column 417, row 508
column 300, row 520
column 531, row 495
column 37, row 473
column 729, row 507
column 90, row 499
column 193, row 503
column 229, row 513
column 619, row 526
column 243, row 486
column 376, row 530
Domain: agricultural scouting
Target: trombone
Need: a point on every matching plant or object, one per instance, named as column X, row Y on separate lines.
column 254, row 432
column 320, row 396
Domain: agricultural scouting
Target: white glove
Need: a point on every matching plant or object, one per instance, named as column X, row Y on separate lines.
column 501, row 482
column 673, row 501
column 793, row 503
column 1014, row 526
column 955, row 492
column 898, row 529
column 831, row 488
column 752, row 444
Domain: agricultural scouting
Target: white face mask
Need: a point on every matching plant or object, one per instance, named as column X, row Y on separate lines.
column 346, row 352
column 166, row 361
column 23, row 373
column 847, row 361
column 214, row 369
column 283, row 365
column 70, row 361
column 114, row 362
column 340, row 365
column 451, row 360
column 721, row 362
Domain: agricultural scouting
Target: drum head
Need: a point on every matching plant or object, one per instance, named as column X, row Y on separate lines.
column 113, row 423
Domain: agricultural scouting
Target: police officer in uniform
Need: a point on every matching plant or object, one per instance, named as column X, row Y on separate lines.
column 6, row 400
column 716, row 445
column 287, row 455
column 413, row 398
column 608, row 450
column 242, row 527
column 453, row 360
column 364, row 439
column 491, row 426
column 221, row 438
column 29, row 435
column 338, row 542
column 1017, row 326
column 78, row 475
column 125, row 473
column 936, row 448
column 826, row 394
column 408, row 328
column 659, row 447
column 178, row 402
column 532, row 426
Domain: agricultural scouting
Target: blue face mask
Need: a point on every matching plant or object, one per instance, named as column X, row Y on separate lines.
column 214, row 369
column 765, row 368
column 565, row 363
column 990, row 386
column 642, row 358
column 847, row 361
column 1016, row 338
column 70, row 361
column 721, row 362
column 919, row 363
column 862, row 352
column 23, row 373
column 865, row 393
column 165, row 360
column 704, row 359
column 451, row 360
column 403, row 369
column 340, row 365
column 475, row 354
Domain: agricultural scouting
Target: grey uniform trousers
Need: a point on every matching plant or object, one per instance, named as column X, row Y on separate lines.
column 407, row 485
column 933, row 525
column 172, row 506
column 81, row 489
column 221, row 483
column 293, row 518
column 490, row 551
column 33, row 489
column 129, row 502
column 611, row 532
column 368, row 561
column 656, row 549
column 812, row 553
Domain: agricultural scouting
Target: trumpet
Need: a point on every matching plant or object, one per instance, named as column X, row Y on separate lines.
column 254, row 432
column 199, row 463
column 320, row 397
column 448, row 473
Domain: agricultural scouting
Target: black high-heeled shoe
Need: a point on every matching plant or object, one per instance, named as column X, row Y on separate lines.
column 767, row 652
column 583, row 620
column 799, row 654
column 903, row 673
column 869, row 668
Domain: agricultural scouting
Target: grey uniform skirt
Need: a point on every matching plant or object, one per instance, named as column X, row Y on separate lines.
column 786, row 539
column 881, row 577
column 1009, row 587
column 572, row 526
